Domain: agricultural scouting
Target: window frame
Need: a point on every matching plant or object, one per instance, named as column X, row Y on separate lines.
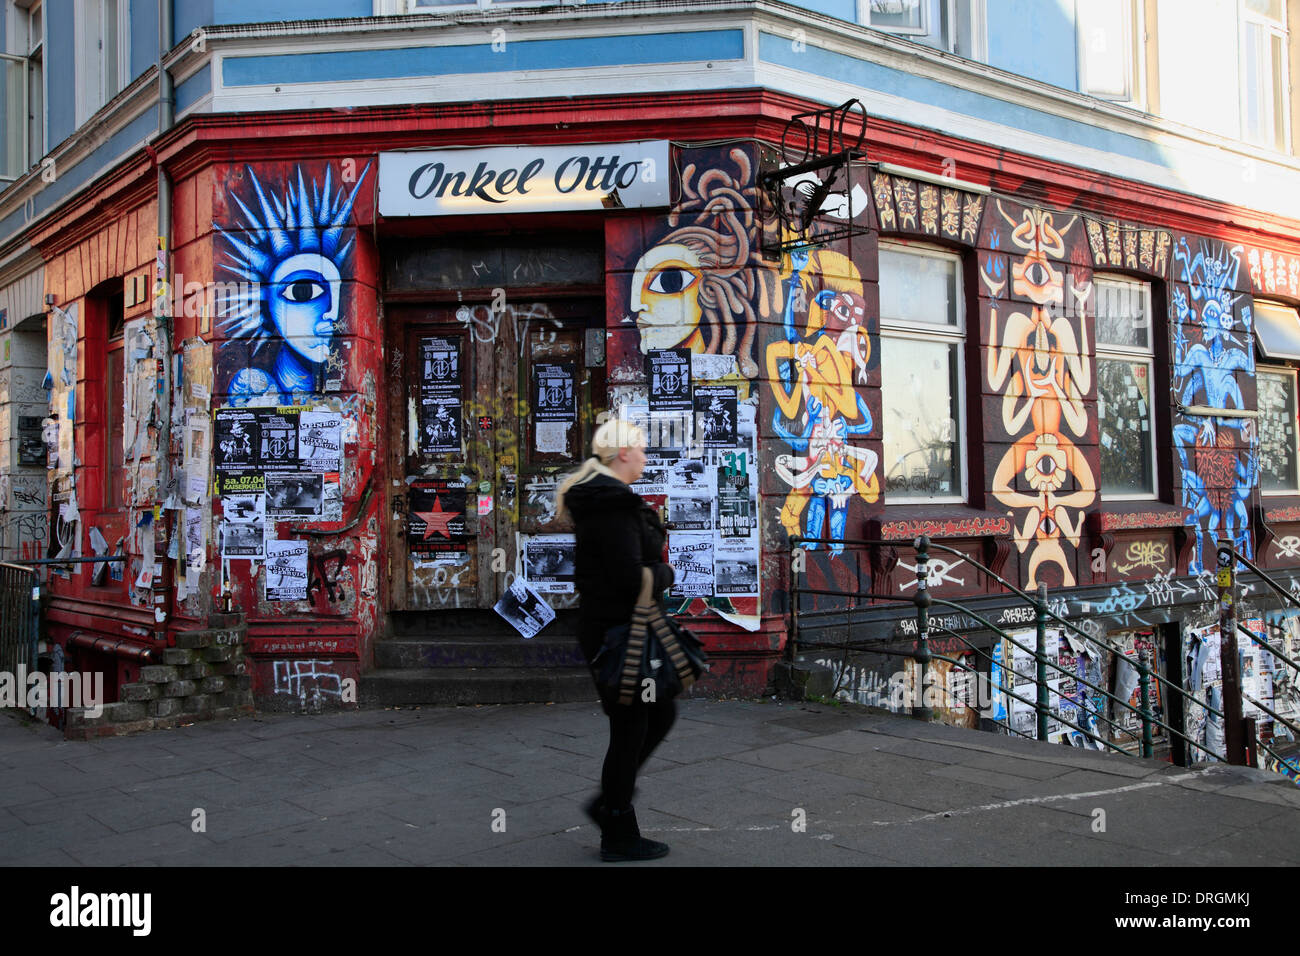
column 1131, row 354
column 952, row 335
column 1287, row 371
column 27, row 51
column 94, row 86
column 958, row 21
column 1134, row 31
column 1273, row 29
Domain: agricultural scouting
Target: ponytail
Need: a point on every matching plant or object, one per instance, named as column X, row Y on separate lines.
column 614, row 434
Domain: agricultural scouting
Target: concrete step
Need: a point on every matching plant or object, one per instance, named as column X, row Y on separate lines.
column 475, row 685
column 540, row 651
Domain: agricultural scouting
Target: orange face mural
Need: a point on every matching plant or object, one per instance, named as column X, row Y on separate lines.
column 1038, row 361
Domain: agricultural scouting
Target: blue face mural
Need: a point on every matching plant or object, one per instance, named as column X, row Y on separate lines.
column 1219, row 454
column 289, row 261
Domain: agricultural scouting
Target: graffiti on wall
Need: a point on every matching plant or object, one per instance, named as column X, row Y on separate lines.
column 1037, row 361
column 699, row 286
column 288, row 258
column 815, row 371
column 1212, row 343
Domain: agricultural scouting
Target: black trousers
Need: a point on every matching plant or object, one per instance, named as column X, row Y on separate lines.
column 635, row 729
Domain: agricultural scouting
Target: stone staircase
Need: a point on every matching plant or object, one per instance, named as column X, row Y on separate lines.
column 474, row 657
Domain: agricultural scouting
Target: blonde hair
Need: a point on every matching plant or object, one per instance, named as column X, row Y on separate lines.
column 613, row 435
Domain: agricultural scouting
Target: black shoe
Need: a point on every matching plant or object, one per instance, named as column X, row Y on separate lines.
column 621, row 839
column 595, row 810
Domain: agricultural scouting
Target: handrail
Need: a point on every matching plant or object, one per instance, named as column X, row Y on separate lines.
column 1269, row 647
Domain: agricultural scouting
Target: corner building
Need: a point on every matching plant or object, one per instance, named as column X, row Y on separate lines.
column 410, row 255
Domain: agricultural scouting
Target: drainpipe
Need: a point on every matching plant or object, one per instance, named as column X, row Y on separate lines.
column 166, row 119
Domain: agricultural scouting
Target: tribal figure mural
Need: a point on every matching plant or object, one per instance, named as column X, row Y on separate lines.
column 289, row 257
column 815, row 372
column 1218, row 454
column 1038, row 361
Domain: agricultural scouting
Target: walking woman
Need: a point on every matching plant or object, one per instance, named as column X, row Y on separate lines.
column 617, row 535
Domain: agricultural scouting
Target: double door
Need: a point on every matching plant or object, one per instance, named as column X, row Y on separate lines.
column 491, row 403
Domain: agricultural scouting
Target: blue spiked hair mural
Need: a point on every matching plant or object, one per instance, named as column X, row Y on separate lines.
column 290, row 258
column 1218, row 453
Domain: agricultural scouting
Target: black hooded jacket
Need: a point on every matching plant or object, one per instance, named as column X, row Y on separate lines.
column 616, row 534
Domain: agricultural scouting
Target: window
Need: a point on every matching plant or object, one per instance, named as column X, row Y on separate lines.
column 957, row 26
column 21, row 93
column 102, row 33
column 1110, row 52
column 1264, row 73
column 1278, row 471
column 922, row 343
column 1125, row 366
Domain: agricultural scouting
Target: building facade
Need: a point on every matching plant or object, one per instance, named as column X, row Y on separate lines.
column 315, row 337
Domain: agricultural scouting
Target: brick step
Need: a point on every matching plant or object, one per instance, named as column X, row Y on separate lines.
column 475, row 685
column 541, row 651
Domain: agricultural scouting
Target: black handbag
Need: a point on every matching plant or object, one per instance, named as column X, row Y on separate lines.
column 650, row 647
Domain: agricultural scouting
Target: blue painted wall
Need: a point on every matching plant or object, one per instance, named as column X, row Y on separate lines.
column 1034, row 38
column 188, row 14
column 192, row 89
column 60, row 81
column 144, row 37
column 251, row 11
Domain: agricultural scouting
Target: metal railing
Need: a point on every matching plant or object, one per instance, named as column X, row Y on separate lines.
column 20, row 615
column 1090, row 710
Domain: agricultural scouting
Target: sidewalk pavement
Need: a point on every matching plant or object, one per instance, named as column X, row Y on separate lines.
column 425, row 786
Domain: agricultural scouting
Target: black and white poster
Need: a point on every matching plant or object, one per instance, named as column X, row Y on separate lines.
column 691, row 555
column 668, row 433
column 286, row 570
column 525, row 609
column 715, row 415
column 691, row 511
column 668, row 376
column 235, row 448
column 320, row 440
column 243, row 526
column 294, row 494
column 548, row 562
column 31, row 444
column 654, row 479
column 435, row 521
column 735, row 571
column 555, row 393
column 440, row 396
column 278, row 445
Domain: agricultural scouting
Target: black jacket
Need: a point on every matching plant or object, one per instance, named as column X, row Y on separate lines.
column 616, row 534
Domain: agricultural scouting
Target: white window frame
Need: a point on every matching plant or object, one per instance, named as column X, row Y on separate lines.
column 95, row 85
column 1272, row 28
column 967, row 20
column 22, row 47
column 949, row 335
column 1287, row 372
column 1134, row 32
column 1132, row 354
column 387, row 8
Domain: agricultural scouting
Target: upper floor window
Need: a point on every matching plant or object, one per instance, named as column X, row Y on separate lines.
column 1110, row 49
column 922, row 344
column 1264, row 85
column 957, row 26
column 22, row 126
column 1125, row 367
column 102, row 32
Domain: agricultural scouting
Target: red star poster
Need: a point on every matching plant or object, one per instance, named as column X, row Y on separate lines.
column 435, row 529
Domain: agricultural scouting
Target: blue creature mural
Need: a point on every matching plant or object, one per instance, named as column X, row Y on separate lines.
column 1218, row 475
column 290, row 259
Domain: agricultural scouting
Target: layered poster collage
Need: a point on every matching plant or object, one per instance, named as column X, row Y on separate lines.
column 274, row 465
column 701, row 460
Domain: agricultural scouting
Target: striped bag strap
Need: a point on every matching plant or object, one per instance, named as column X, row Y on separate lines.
column 672, row 647
column 636, row 640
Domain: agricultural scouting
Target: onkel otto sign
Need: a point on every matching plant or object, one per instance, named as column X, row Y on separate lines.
column 458, row 182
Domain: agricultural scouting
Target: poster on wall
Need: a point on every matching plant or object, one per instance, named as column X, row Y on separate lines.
column 691, row 556
column 31, row 444
column 278, row 432
column 555, row 393
column 236, row 443
column 286, row 570
column 294, row 494
column 1023, row 674
column 654, row 479
column 669, row 433
column 198, row 441
column 716, row 415
column 548, row 562
column 737, row 510
column 435, row 528
column 735, row 570
column 440, row 395
column 243, row 526
column 1126, row 686
column 668, row 377
column 320, row 440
